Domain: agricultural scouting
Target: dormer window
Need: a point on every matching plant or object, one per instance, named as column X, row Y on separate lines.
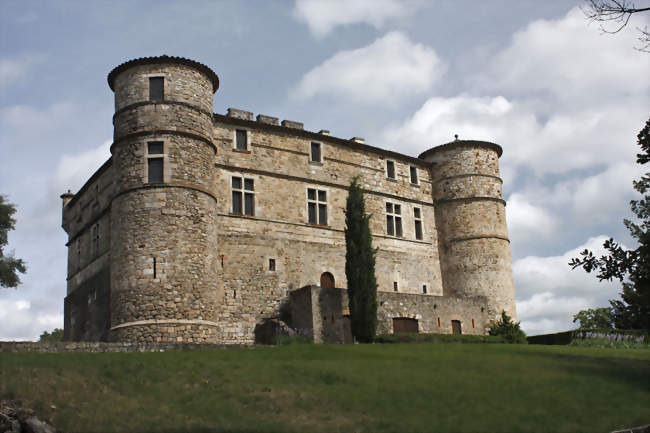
column 156, row 89
column 390, row 169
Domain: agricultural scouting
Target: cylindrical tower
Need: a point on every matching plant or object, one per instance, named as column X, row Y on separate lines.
column 163, row 215
column 470, row 215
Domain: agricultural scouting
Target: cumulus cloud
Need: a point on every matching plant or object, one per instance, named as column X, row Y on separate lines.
column 75, row 169
column 14, row 69
column 528, row 221
column 549, row 292
column 322, row 16
column 23, row 319
column 391, row 68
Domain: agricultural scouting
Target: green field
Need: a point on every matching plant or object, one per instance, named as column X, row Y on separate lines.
column 328, row 388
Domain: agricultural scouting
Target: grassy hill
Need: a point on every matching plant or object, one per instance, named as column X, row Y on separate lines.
column 327, row 388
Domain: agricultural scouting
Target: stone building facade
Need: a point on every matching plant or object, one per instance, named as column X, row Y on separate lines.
column 200, row 225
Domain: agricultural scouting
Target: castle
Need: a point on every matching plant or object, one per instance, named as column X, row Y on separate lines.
column 201, row 225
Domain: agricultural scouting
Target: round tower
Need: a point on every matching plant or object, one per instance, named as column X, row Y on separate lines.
column 470, row 215
column 163, row 214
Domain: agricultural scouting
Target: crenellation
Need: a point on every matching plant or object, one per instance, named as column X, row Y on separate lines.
column 200, row 226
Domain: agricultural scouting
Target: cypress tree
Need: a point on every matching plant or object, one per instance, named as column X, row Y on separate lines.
column 360, row 267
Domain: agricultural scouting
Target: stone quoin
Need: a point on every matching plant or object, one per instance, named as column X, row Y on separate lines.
column 201, row 227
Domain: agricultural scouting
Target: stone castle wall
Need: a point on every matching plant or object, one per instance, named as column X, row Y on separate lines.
column 177, row 265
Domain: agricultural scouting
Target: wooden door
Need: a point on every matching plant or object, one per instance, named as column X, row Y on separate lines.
column 455, row 327
column 327, row 280
column 405, row 324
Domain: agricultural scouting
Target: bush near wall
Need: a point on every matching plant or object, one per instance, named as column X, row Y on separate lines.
column 595, row 337
column 437, row 338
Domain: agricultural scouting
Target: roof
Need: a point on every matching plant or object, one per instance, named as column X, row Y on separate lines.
column 461, row 143
column 214, row 78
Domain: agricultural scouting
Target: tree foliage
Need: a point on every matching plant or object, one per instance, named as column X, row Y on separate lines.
column 360, row 267
column 617, row 12
column 9, row 265
column 630, row 267
column 508, row 329
column 595, row 318
column 53, row 337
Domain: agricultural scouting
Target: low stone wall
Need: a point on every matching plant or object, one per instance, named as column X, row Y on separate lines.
column 28, row 346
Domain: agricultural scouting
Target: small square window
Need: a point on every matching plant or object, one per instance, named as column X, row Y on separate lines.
column 390, row 169
column 236, row 182
column 272, row 265
column 316, row 152
column 416, row 212
column 322, row 195
column 311, row 194
column 155, row 148
column 241, row 139
column 248, row 184
column 156, row 89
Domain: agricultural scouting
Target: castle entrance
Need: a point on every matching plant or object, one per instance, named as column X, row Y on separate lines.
column 327, row 280
column 455, row 327
column 405, row 324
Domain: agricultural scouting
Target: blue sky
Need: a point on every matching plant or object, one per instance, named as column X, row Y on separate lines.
column 563, row 100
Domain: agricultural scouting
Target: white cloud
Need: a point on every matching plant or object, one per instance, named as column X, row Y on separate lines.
column 528, row 221
column 73, row 171
column 322, row 16
column 13, row 70
column 391, row 68
column 549, row 292
column 571, row 61
column 22, row 321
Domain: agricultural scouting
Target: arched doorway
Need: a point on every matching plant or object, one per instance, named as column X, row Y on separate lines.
column 327, row 280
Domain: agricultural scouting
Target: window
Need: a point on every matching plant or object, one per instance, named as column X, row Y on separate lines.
column 394, row 220
column 316, row 152
column 241, row 139
column 390, row 169
column 317, row 206
column 243, row 196
column 155, row 164
column 424, row 289
column 414, row 175
column 156, row 89
column 94, row 235
column 395, row 286
column 417, row 215
column 272, row 265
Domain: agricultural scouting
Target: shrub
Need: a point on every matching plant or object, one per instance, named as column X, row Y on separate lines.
column 509, row 330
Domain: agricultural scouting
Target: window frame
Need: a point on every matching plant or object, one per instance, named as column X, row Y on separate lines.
column 162, row 156
column 393, row 212
column 318, row 203
column 414, row 169
column 418, row 219
column 390, row 162
column 162, row 96
column 247, row 148
column 320, row 153
column 243, row 194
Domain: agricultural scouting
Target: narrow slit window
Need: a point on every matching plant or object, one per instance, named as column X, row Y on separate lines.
column 417, row 216
column 316, row 152
column 424, row 289
column 272, row 265
column 414, row 175
column 395, row 288
column 154, row 268
column 390, row 169
column 241, row 139
column 156, row 89
column 316, row 206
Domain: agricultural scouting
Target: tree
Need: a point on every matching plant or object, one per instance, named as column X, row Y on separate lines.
column 53, row 337
column 509, row 330
column 9, row 265
column 595, row 318
column 618, row 12
column 360, row 267
column 630, row 267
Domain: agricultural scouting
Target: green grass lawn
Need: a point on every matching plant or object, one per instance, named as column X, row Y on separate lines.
column 328, row 388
